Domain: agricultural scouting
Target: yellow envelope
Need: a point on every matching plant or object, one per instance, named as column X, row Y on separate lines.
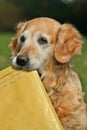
column 24, row 103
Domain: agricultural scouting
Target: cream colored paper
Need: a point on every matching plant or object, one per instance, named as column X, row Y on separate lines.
column 24, row 104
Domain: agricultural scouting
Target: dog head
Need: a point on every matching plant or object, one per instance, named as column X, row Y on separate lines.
column 37, row 40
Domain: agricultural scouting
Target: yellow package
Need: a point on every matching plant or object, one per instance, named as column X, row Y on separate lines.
column 24, row 104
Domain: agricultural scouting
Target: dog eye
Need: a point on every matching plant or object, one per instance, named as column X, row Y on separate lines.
column 22, row 38
column 42, row 40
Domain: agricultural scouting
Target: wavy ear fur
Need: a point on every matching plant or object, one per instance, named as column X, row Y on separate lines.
column 13, row 44
column 68, row 44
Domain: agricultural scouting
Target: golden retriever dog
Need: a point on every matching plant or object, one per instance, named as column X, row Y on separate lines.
column 45, row 45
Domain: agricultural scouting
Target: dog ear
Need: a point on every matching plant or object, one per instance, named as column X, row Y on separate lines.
column 68, row 43
column 13, row 46
column 14, row 41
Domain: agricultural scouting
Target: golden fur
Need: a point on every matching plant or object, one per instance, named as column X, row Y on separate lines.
column 51, row 58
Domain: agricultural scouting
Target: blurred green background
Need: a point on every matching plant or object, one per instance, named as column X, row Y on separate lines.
column 65, row 11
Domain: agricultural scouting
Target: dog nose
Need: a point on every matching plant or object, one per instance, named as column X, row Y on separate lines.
column 22, row 60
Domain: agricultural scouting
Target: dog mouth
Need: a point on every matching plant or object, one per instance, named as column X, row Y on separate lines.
column 24, row 63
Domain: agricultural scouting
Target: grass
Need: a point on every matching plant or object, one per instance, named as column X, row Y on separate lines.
column 5, row 53
column 79, row 63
